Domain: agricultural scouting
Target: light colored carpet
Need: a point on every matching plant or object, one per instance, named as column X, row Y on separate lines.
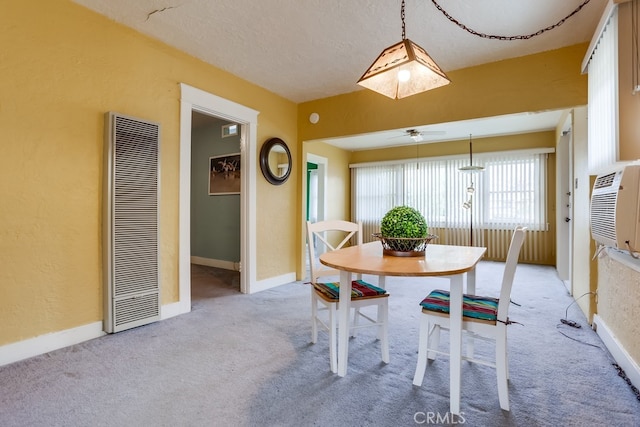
column 246, row 360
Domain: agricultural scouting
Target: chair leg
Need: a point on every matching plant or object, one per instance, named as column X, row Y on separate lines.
column 333, row 338
column 470, row 345
column 383, row 330
column 433, row 341
column 502, row 369
column 422, row 351
column 314, row 318
column 356, row 322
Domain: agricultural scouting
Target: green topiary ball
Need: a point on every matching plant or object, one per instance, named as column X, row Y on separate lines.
column 403, row 221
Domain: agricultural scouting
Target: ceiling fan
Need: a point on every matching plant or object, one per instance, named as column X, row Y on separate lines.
column 417, row 135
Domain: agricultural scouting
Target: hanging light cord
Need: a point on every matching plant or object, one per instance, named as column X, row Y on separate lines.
column 494, row 37
column 402, row 17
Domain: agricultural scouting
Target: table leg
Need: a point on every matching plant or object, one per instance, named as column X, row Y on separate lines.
column 344, row 308
column 382, row 281
column 455, row 334
column 471, row 289
column 471, row 281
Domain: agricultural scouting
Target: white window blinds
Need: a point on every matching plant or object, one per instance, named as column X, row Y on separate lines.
column 603, row 98
column 511, row 191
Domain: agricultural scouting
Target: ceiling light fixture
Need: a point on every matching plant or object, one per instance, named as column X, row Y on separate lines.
column 403, row 69
column 470, row 167
column 415, row 135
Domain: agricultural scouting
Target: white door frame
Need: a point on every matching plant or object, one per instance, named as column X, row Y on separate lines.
column 322, row 163
column 204, row 102
column 564, row 204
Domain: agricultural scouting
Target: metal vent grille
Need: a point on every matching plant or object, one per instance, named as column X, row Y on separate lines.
column 135, row 309
column 604, row 181
column 132, row 234
column 603, row 216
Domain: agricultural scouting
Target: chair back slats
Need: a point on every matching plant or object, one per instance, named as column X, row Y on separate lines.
column 317, row 233
column 517, row 239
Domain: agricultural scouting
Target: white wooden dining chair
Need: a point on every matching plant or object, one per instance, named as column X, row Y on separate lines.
column 483, row 318
column 325, row 294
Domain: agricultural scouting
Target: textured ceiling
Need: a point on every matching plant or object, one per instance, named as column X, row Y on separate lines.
column 310, row 49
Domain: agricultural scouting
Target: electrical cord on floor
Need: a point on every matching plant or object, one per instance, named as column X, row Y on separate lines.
column 570, row 322
column 624, row 376
column 617, row 367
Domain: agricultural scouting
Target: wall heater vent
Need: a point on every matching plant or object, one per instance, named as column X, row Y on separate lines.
column 130, row 222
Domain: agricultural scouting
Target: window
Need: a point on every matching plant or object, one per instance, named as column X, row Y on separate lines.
column 515, row 192
column 510, row 191
column 230, row 129
column 602, row 67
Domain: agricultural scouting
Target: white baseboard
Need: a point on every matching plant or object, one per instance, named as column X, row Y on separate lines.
column 227, row 265
column 272, row 282
column 42, row 344
column 622, row 358
column 11, row 353
column 174, row 309
column 36, row 346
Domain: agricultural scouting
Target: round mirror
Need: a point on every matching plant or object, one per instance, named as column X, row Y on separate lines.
column 275, row 161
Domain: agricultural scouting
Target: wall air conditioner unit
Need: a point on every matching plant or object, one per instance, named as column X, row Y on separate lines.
column 614, row 212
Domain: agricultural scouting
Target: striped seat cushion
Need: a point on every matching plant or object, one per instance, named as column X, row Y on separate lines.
column 359, row 289
column 484, row 308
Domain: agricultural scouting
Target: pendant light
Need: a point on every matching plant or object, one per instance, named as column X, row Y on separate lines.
column 470, row 167
column 403, row 69
column 470, row 189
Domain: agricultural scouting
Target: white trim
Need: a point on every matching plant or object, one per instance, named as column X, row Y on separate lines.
column 622, row 358
column 273, row 282
column 217, row 263
column 456, row 156
column 323, row 166
column 623, row 257
column 21, row 350
column 199, row 100
column 168, row 311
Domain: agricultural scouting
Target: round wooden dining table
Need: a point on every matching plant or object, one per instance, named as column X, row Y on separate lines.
column 448, row 261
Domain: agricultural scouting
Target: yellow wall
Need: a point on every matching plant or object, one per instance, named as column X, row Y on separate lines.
column 629, row 102
column 338, row 192
column 545, row 81
column 61, row 68
column 338, row 173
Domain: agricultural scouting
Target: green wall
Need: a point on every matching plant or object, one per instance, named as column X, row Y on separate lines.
column 215, row 220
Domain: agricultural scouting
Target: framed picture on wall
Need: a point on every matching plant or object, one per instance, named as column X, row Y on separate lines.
column 224, row 174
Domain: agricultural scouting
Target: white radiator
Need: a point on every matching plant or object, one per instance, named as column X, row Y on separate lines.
column 130, row 223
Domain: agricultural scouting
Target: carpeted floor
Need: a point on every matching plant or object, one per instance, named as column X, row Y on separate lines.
column 246, row 360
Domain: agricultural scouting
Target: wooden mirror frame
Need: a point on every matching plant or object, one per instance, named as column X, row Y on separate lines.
column 270, row 175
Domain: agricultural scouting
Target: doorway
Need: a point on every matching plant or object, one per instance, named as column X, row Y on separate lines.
column 215, row 205
column 193, row 99
column 316, row 187
column 315, row 196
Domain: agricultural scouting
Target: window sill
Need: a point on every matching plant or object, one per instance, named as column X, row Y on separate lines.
column 623, row 257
